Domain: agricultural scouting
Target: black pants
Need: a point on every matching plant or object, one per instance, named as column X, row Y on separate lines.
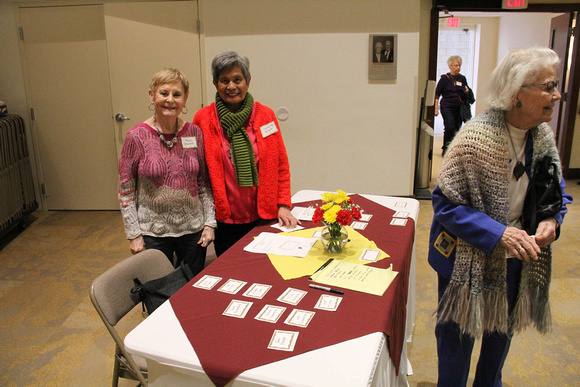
column 452, row 122
column 227, row 234
column 185, row 248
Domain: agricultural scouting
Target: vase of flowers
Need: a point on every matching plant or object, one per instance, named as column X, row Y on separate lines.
column 337, row 210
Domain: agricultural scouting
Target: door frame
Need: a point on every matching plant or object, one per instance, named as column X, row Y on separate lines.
column 564, row 143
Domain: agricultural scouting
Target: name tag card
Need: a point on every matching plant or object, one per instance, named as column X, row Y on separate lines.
column 257, row 291
column 270, row 313
column 299, row 318
column 292, row 296
column 232, row 286
column 189, row 142
column 238, row 309
column 268, row 129
column 327, row 302
column 283, row 340
column 207, row 282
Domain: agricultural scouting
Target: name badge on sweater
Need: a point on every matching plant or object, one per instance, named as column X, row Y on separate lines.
column 458, row 83
column 189, row 142
column 268, row 129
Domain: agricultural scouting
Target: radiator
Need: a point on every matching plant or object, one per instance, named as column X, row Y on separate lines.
column 17, row 198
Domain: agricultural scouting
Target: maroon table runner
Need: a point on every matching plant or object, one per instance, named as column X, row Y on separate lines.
column 227, row 346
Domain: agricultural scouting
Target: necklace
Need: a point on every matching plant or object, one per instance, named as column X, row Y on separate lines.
column 171, row 142
column 519, row 169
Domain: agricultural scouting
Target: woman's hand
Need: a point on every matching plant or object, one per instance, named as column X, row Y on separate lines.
column 207, row 236
column 285, row 217
column 546, row 232
column 519, row 244
column 137, row 245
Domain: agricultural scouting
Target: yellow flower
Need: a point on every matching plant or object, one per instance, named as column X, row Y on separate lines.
column 326, row 206
column 330, row 214
column 328, row 197
column 341, row 197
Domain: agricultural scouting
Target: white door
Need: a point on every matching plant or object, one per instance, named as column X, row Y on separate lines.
column 66, row 64
column 84, row 65
column 143, row 38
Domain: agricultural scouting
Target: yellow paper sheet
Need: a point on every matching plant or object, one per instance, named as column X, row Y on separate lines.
column 292, row 267
column 347, row 275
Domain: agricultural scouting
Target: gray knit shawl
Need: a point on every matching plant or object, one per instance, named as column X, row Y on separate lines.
column 475, row 173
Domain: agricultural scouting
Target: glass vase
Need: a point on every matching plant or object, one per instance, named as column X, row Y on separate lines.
column 333, row 238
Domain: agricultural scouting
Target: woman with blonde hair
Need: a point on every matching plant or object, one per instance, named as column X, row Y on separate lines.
column 164, row 188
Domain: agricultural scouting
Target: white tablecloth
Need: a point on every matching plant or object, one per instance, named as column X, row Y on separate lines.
column 364, row 361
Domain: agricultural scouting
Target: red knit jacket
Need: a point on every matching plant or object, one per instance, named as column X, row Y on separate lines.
column 273, row 168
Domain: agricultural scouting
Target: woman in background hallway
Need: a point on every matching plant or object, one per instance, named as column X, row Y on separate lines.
column 453, row 89
column 164, row 189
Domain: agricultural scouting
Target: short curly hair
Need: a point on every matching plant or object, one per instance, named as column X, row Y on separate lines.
column 169, row 75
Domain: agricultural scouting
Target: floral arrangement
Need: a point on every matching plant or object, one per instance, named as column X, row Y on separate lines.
column 337, row 210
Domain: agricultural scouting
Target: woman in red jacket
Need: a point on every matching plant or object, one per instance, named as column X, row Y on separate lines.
column 245, row 155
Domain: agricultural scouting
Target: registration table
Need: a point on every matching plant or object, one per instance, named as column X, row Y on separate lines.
column 189, row 341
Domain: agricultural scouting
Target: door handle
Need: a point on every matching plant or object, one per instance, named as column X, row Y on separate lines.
column 120, row 117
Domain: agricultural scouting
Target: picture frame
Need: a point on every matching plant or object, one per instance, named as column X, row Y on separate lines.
column 382, row 56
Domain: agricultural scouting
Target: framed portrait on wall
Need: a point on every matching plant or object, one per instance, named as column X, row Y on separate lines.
column 382, row 56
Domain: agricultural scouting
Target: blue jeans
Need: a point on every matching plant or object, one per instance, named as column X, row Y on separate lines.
column 184, row 247
column 454, row 349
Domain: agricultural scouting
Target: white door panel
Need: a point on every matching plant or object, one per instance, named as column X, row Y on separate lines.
column 65, row 51
column 86, row 63
column 143, row 38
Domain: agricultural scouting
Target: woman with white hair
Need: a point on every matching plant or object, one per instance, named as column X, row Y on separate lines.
column 493, row 276
column 453, row 90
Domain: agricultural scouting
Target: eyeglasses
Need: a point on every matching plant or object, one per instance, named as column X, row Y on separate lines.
column 550, row 86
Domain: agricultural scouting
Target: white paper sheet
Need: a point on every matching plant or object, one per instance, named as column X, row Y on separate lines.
column 269, row 243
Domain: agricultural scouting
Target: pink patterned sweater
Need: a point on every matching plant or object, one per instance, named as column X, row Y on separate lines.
column 164, row 192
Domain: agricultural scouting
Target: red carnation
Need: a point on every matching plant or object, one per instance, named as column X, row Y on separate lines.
column 318, row 215
column 356, row 213
column 344, row 217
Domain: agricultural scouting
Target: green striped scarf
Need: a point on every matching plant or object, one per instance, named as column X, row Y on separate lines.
column 242, row 149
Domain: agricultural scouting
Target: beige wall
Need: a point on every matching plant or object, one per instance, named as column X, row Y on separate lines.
column 310, row 57
column 488, row 46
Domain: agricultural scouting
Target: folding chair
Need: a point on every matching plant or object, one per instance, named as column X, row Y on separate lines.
column 111, row 296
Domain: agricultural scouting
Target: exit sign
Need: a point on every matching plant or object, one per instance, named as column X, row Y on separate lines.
column 514, row 4
column 453, row 22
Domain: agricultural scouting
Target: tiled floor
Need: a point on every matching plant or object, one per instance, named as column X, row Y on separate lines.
column 50, row 334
